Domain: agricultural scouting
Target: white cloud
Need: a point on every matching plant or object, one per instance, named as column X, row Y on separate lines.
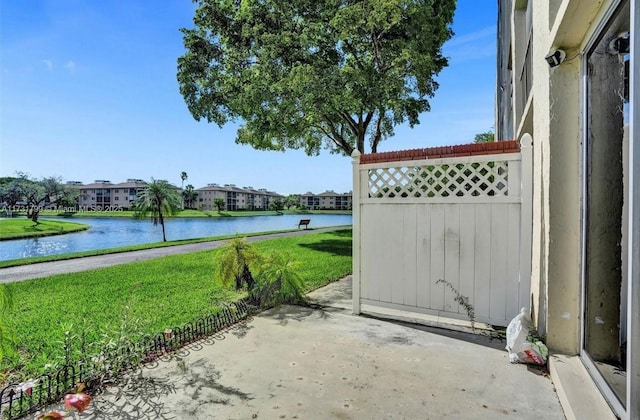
column 477, row 45
column 71, row 66
column 49, row 64
column 464, row 55
column 481, row 34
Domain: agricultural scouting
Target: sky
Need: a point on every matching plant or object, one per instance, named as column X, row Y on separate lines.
column 88, row 91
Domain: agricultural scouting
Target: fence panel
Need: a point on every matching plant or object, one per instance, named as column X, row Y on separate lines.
column 428, row 230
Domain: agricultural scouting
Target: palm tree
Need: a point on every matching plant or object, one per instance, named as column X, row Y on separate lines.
column 278, row 282
column 236, row 259
column 189, row 195
column 183, row 177
column 159, row 198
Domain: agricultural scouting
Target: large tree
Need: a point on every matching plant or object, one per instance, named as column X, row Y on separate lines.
column 308, row 74
column 59, row 194
column 10, row 194
column 35, row 194
column 292, row 200
column 219, row 203
column 160, row 199
column 276, row 205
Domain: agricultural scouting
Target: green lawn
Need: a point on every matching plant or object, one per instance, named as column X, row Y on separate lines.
column 24, row 228
column 160, row 293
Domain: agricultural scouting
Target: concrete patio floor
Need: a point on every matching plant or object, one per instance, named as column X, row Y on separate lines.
column 324, row 363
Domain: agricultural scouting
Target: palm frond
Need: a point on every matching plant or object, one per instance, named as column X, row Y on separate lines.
column 233, row 258
column 278, row 282
column 159, row 199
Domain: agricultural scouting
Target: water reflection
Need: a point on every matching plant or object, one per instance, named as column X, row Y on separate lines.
column 112, row 232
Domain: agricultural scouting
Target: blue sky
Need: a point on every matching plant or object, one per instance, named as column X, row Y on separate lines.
column 88, row 91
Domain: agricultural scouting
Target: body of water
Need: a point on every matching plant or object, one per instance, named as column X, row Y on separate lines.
column 116, row 232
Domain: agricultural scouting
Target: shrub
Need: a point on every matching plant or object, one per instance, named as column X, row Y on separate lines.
column 236, row 259
column 278, row 282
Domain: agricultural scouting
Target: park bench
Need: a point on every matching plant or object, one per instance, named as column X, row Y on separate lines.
column 304, row 222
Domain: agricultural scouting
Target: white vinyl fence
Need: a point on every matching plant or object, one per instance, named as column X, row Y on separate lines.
column 432, row 224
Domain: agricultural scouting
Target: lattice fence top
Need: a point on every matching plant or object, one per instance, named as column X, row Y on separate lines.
column 468, row 179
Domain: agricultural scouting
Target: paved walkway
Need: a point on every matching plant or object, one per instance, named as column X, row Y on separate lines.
column 32, row 271
column 324, row 363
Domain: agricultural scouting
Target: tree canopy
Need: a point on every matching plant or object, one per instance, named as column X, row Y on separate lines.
column 292, row 200
column 33, row 195
column 310, row 74
column 486, row 137
column 189, row 196
column 276, row 205
column 219, row 203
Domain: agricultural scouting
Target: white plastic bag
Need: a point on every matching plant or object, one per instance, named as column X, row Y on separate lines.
column 522, row 345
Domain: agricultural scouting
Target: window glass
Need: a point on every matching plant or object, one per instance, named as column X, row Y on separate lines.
column 605, row 257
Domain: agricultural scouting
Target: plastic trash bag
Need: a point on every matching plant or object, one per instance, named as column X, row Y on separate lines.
column 522, row 343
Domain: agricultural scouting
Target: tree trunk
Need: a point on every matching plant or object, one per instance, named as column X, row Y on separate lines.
column 35, row 212
column 164, row 236
column 247, row 277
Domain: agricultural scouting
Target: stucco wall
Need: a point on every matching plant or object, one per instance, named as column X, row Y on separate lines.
column 555, row 121
column 564, row 185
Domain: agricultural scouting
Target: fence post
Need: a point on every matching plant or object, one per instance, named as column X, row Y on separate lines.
column 355, row 210
column 526, row 218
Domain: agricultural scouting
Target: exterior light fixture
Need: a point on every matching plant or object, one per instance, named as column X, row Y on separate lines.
column 555, row 58
column 620, row 44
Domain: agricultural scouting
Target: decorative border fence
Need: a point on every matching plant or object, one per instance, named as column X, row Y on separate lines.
column 431, row 225
column 21, row 399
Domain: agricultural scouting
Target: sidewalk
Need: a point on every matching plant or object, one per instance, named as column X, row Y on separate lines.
column 303, row 363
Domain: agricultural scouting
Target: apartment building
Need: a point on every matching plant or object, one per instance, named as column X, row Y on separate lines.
column 235, row 198
column 310, row 201
column 104, row 195
column 328, row 200
column 569, row 81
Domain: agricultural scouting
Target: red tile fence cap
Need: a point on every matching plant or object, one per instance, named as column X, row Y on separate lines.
column 473, row 149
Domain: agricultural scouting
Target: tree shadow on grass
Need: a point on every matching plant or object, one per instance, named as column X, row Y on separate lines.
column 340, row 247
column 343, row 233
